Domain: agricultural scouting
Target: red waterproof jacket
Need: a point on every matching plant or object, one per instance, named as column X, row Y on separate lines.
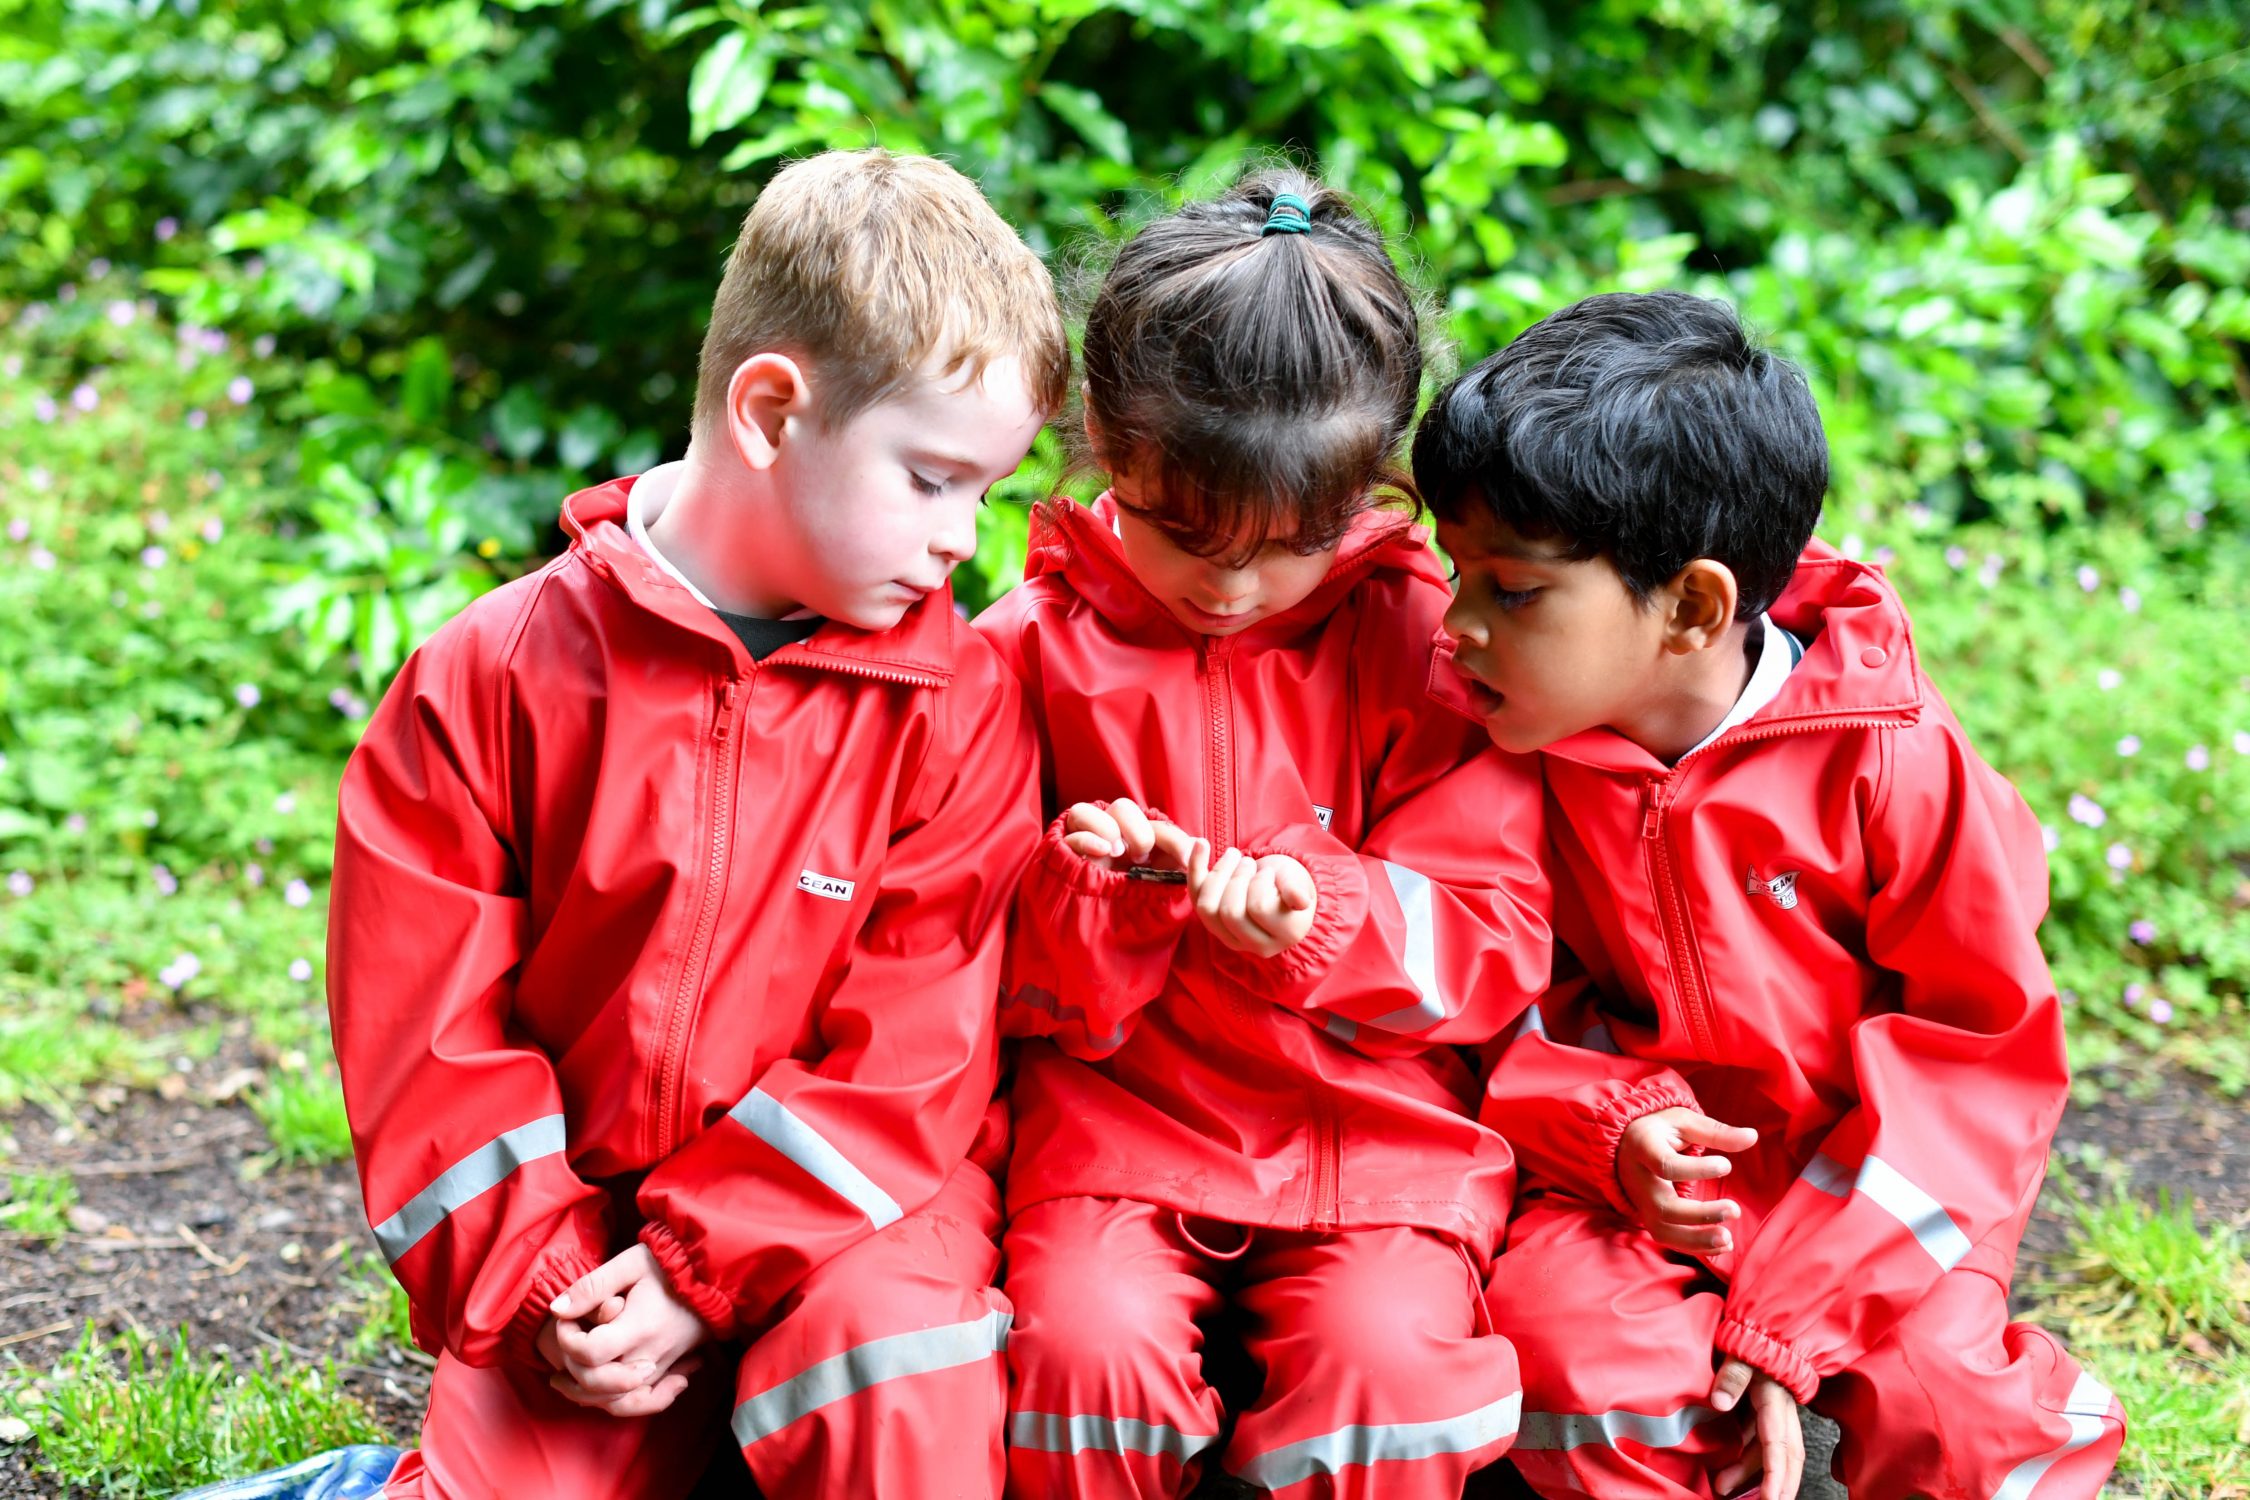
column 1319, row 1089
column 634, row 935
column 1821, row 925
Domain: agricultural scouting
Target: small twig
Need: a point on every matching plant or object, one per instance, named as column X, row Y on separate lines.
column 1564, row 194
column 224, row 1266
column 39, row 1333
column 26, row 1300
column 1999, row 129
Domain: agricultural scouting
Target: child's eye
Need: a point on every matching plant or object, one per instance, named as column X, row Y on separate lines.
column 1512, row 599
column 928, row 486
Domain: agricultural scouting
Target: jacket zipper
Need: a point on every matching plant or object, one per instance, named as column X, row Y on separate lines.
column 1671, row 903
column 720, row 816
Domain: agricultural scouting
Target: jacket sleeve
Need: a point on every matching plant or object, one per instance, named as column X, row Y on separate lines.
column 1960, row 1088
column 457, row 1118
column 825, row 1150
column 1434, row 929
column 1562, row 1095
column 1088, row 948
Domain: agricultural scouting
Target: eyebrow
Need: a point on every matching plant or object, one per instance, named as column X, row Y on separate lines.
column 949, row 460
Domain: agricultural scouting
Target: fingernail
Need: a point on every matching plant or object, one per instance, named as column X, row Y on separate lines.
column 1726, row 1243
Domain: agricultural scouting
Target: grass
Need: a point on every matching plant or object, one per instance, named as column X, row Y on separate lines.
column 127, row 1418
column 2160, row 1312
column 304, row 1115
column 39, row 1203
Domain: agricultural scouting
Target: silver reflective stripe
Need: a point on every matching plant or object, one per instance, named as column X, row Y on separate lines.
column 1413, row 892
column 1925, row 1218
column 479, row 1172
column 1339, row 1028
column 855, row 1370
column 1826, row 1174
column 1532, row 1024
column 764, row 1117
column 1555, row 1432
column 1598, row 1039
column 1053, row 1432
column 2087, row 1408
column 1333, row 1452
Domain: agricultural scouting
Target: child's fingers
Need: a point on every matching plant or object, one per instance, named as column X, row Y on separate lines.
column 1781, row 1440
column 1674, row 1209
column 1133, row 831
column 1714, row 1135
column 1213, row 888
column 608, row 1311
column 1294, row 883
column 1678, row 1168
column 648, row 1400
column 1172, row 843
column 1086, row 824
column 1198, row 867
column 1234, row 905
column 613, row 1379
column 1090, row 845
column 612, row 1278
column 1692, row 1240
column 1727, row 1387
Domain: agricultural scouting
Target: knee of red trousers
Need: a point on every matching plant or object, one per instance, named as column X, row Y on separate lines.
column 1960, row 1402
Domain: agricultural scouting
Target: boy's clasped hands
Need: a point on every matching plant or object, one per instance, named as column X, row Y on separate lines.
column 1656, row 1153
column 620, row 1340
column 1257, row 904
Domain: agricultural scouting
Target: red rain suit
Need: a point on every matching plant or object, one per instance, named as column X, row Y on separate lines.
column 1822, row 925
column 1189, row 1116
column 636, row 937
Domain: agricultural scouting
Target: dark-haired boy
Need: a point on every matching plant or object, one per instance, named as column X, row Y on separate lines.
column 1804, row 916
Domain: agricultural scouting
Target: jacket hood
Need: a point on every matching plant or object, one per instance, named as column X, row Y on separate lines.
column 1080, row 543
column 1859, row 667
column 921, row 648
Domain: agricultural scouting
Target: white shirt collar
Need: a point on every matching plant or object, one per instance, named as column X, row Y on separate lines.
column 1778, row 654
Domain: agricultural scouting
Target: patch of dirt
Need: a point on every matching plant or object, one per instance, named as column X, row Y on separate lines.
column 179, row 1227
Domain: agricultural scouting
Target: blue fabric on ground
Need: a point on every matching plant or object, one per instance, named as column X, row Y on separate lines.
column 354, row 1473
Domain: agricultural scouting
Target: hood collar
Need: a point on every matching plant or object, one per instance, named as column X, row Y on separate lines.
column 1080, row 542
column 917, row 650
column 1859, row 667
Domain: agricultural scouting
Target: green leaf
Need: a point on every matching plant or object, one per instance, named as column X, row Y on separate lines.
column 428, row 382
column 728, row 85
column 1082, row 111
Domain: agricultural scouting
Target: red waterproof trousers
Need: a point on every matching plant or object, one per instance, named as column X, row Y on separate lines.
column 1381, row 1377
column 880, row 1377
column 1956, row 1403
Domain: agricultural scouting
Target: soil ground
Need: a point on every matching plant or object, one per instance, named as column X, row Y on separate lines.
column 179, row 1227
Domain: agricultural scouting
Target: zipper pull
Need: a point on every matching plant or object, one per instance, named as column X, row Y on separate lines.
column 726, row 710
column 1652, row 807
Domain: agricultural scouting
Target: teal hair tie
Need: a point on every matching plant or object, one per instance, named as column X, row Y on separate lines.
column 1290, row 214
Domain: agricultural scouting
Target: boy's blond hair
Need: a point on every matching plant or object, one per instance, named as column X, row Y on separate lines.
column 869, row 265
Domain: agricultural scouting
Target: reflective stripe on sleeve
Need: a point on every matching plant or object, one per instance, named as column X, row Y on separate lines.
column 1889, row 1190
column 2088, row 1405
column 765, row 1117
column 1082, row 1432
column 478, row 1173
column 1558, row 1432
column 1413, row 892
column 1532, row 1024
column 855, row 1370
column 1332, row 1452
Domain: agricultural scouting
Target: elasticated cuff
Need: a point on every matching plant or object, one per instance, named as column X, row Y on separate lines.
column 1148, row 908
column 1769, row 1352
column 1666, row 1091
column 519, row 1343
column 712, row 1305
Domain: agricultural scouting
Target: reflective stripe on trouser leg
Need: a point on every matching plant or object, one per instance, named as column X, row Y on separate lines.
column 871, row 1364
column 1088, row 1432
column 1360, row 1445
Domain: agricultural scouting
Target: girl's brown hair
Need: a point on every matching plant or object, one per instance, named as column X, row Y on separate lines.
column 1255, row 385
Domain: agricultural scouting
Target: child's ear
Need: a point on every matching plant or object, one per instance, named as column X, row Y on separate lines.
column 1700, row 602
column 766, row 390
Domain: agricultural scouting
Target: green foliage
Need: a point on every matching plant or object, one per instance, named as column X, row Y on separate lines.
column 39, row 1203
column 304, row 1116
column 127, row 1419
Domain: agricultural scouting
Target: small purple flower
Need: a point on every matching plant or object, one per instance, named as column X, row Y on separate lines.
column 67, row 292
column 297, row 893
column 2119, row 857
column 152, row 557
column 121, row 313
column 1920, row 514
column 41, row 559
column 2069, row 997
column 196, row 418
column 2133, row 994
column 2142, row 931
column 262, row 346
column 212, row 529
column 19, row 530
column 2088, row 579
column 285, row 804
column 158, row 522
column 20, row 883
column 338, row 697
column 75, row 824
column 98, row 267
column 38, row 477
column 2051, row 839
column 2108, row 678
column 2195, row 520
column 165, row 880
column 2160, row 1011
column 2129, row 746
column 2198, row 758
column 1885, row 556
column 44, row 408
column 2130, row 600
column 300, row 969
column 1956, row 558
column 2086, row 811
column 240, row 390
column 254, row 872
column 165, row 228
column 246, row 694
column 213, row 480
column 175, row 975
column 1852, row 545
column 85, row 397
column 148, row 817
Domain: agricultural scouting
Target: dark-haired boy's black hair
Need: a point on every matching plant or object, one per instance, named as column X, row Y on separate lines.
column 1644, row 428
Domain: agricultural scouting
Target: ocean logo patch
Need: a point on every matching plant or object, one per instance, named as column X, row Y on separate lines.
column 829, row 886
column 1326, row 815
column 1781, row 890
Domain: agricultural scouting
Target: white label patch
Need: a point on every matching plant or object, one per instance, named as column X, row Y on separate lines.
column 1326, row 815
column 824, row 885
column 1781, row 890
